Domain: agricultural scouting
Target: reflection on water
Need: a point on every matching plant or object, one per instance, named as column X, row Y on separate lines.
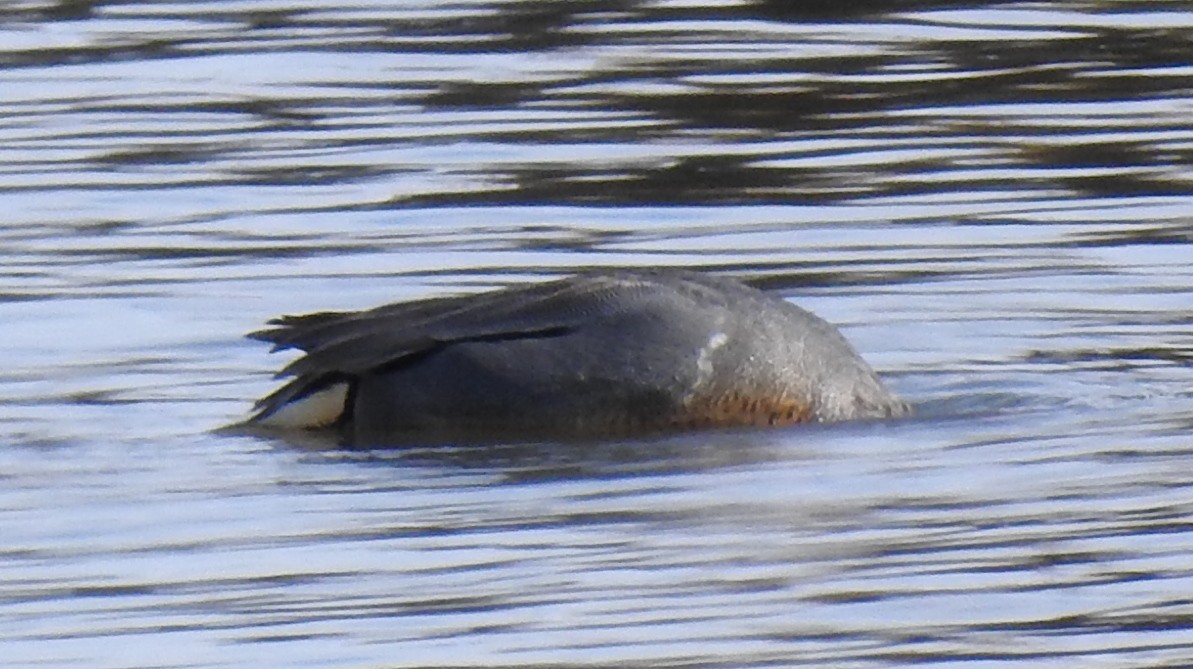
column 992, row 199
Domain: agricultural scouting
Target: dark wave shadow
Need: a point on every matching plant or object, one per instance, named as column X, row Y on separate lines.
column 525, row 461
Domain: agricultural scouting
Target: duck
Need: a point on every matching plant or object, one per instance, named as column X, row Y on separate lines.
column 603, row 353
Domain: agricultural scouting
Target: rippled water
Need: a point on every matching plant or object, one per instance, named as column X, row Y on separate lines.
column 993, row 200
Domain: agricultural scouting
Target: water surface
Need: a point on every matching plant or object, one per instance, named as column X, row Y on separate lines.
column 991, row 199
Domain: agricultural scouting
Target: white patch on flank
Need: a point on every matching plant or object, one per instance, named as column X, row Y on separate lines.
column 704, row 368
column 319, row 409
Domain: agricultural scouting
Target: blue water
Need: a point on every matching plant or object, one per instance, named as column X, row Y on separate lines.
column 992, row 202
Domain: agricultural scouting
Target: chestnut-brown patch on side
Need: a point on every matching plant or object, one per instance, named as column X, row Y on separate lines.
column 736, row 409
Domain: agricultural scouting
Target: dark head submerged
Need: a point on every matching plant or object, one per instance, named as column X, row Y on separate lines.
column 605, row 353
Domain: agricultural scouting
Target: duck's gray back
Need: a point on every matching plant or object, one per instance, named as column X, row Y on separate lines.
column 602, row 353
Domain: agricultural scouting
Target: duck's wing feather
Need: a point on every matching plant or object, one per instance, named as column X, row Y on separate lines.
column 342, row 345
